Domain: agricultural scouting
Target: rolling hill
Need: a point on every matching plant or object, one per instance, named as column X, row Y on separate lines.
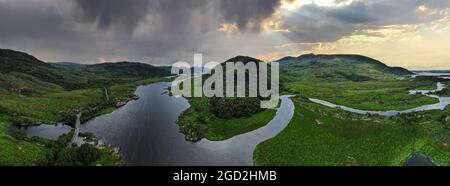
column 71, row 76
column 341, row 67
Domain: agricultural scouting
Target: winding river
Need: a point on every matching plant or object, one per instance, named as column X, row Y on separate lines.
column 443, row 102
column 146, row 132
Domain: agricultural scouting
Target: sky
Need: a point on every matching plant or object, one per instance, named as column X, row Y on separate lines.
column 410, row 33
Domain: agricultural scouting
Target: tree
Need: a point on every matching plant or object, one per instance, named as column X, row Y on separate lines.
column 67, row 157
column 87, row 154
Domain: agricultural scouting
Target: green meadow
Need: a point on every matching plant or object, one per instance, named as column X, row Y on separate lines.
column 367, row 95
column 318, row 135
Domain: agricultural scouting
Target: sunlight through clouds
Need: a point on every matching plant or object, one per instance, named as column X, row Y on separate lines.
column 161, row 31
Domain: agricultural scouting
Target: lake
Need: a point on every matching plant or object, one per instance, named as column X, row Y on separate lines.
column 46, row 131
column 146, row 132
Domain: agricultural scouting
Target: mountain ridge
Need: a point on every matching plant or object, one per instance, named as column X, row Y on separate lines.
column 74, row 75
column 339, row 67
column 361, row 58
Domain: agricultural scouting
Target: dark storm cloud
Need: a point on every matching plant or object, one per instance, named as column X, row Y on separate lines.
column 243, row 12
column 86, row 30
column 171, row 26
column 128, row 14
column 118, row 13
column 28, row 22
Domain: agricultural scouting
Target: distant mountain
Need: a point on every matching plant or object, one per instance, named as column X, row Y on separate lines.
column 339, row 67
column 116, row 69
column 126, row 70
column 72, row 75
column 243, row 59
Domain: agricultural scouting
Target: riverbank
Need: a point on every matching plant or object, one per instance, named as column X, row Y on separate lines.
column 199, row 122
column 54, row 107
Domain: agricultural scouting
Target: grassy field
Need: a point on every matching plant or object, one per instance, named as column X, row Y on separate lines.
column 19, row 152
column 319, row 135
column 221, row 129
column 368, row 95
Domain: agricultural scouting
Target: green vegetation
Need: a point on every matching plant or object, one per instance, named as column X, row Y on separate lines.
column 337, row 68
column 19, row 152
column 220, row 118
column 199, row 122
column 86, row 154
column 60, row 105
column 318, row 135
column 17, row 149
column 354, row 81
column 368, row 95
column 34, row 92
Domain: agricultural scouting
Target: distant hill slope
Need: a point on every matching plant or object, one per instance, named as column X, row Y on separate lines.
column 126, row 70
column 72, row 75
column 21, row 63
column 338, row 67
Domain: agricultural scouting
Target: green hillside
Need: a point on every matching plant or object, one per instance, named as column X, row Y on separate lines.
column 116, row 70
column 72, row 76
column 338, row 68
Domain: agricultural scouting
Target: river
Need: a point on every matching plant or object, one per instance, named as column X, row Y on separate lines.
column 443, row 102
column 146, row 132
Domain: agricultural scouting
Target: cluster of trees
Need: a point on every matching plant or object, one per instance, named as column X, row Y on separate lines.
column 413, row 118
column 235, row 107
column 61, row 153
column 227, row 108
column 86, row 154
